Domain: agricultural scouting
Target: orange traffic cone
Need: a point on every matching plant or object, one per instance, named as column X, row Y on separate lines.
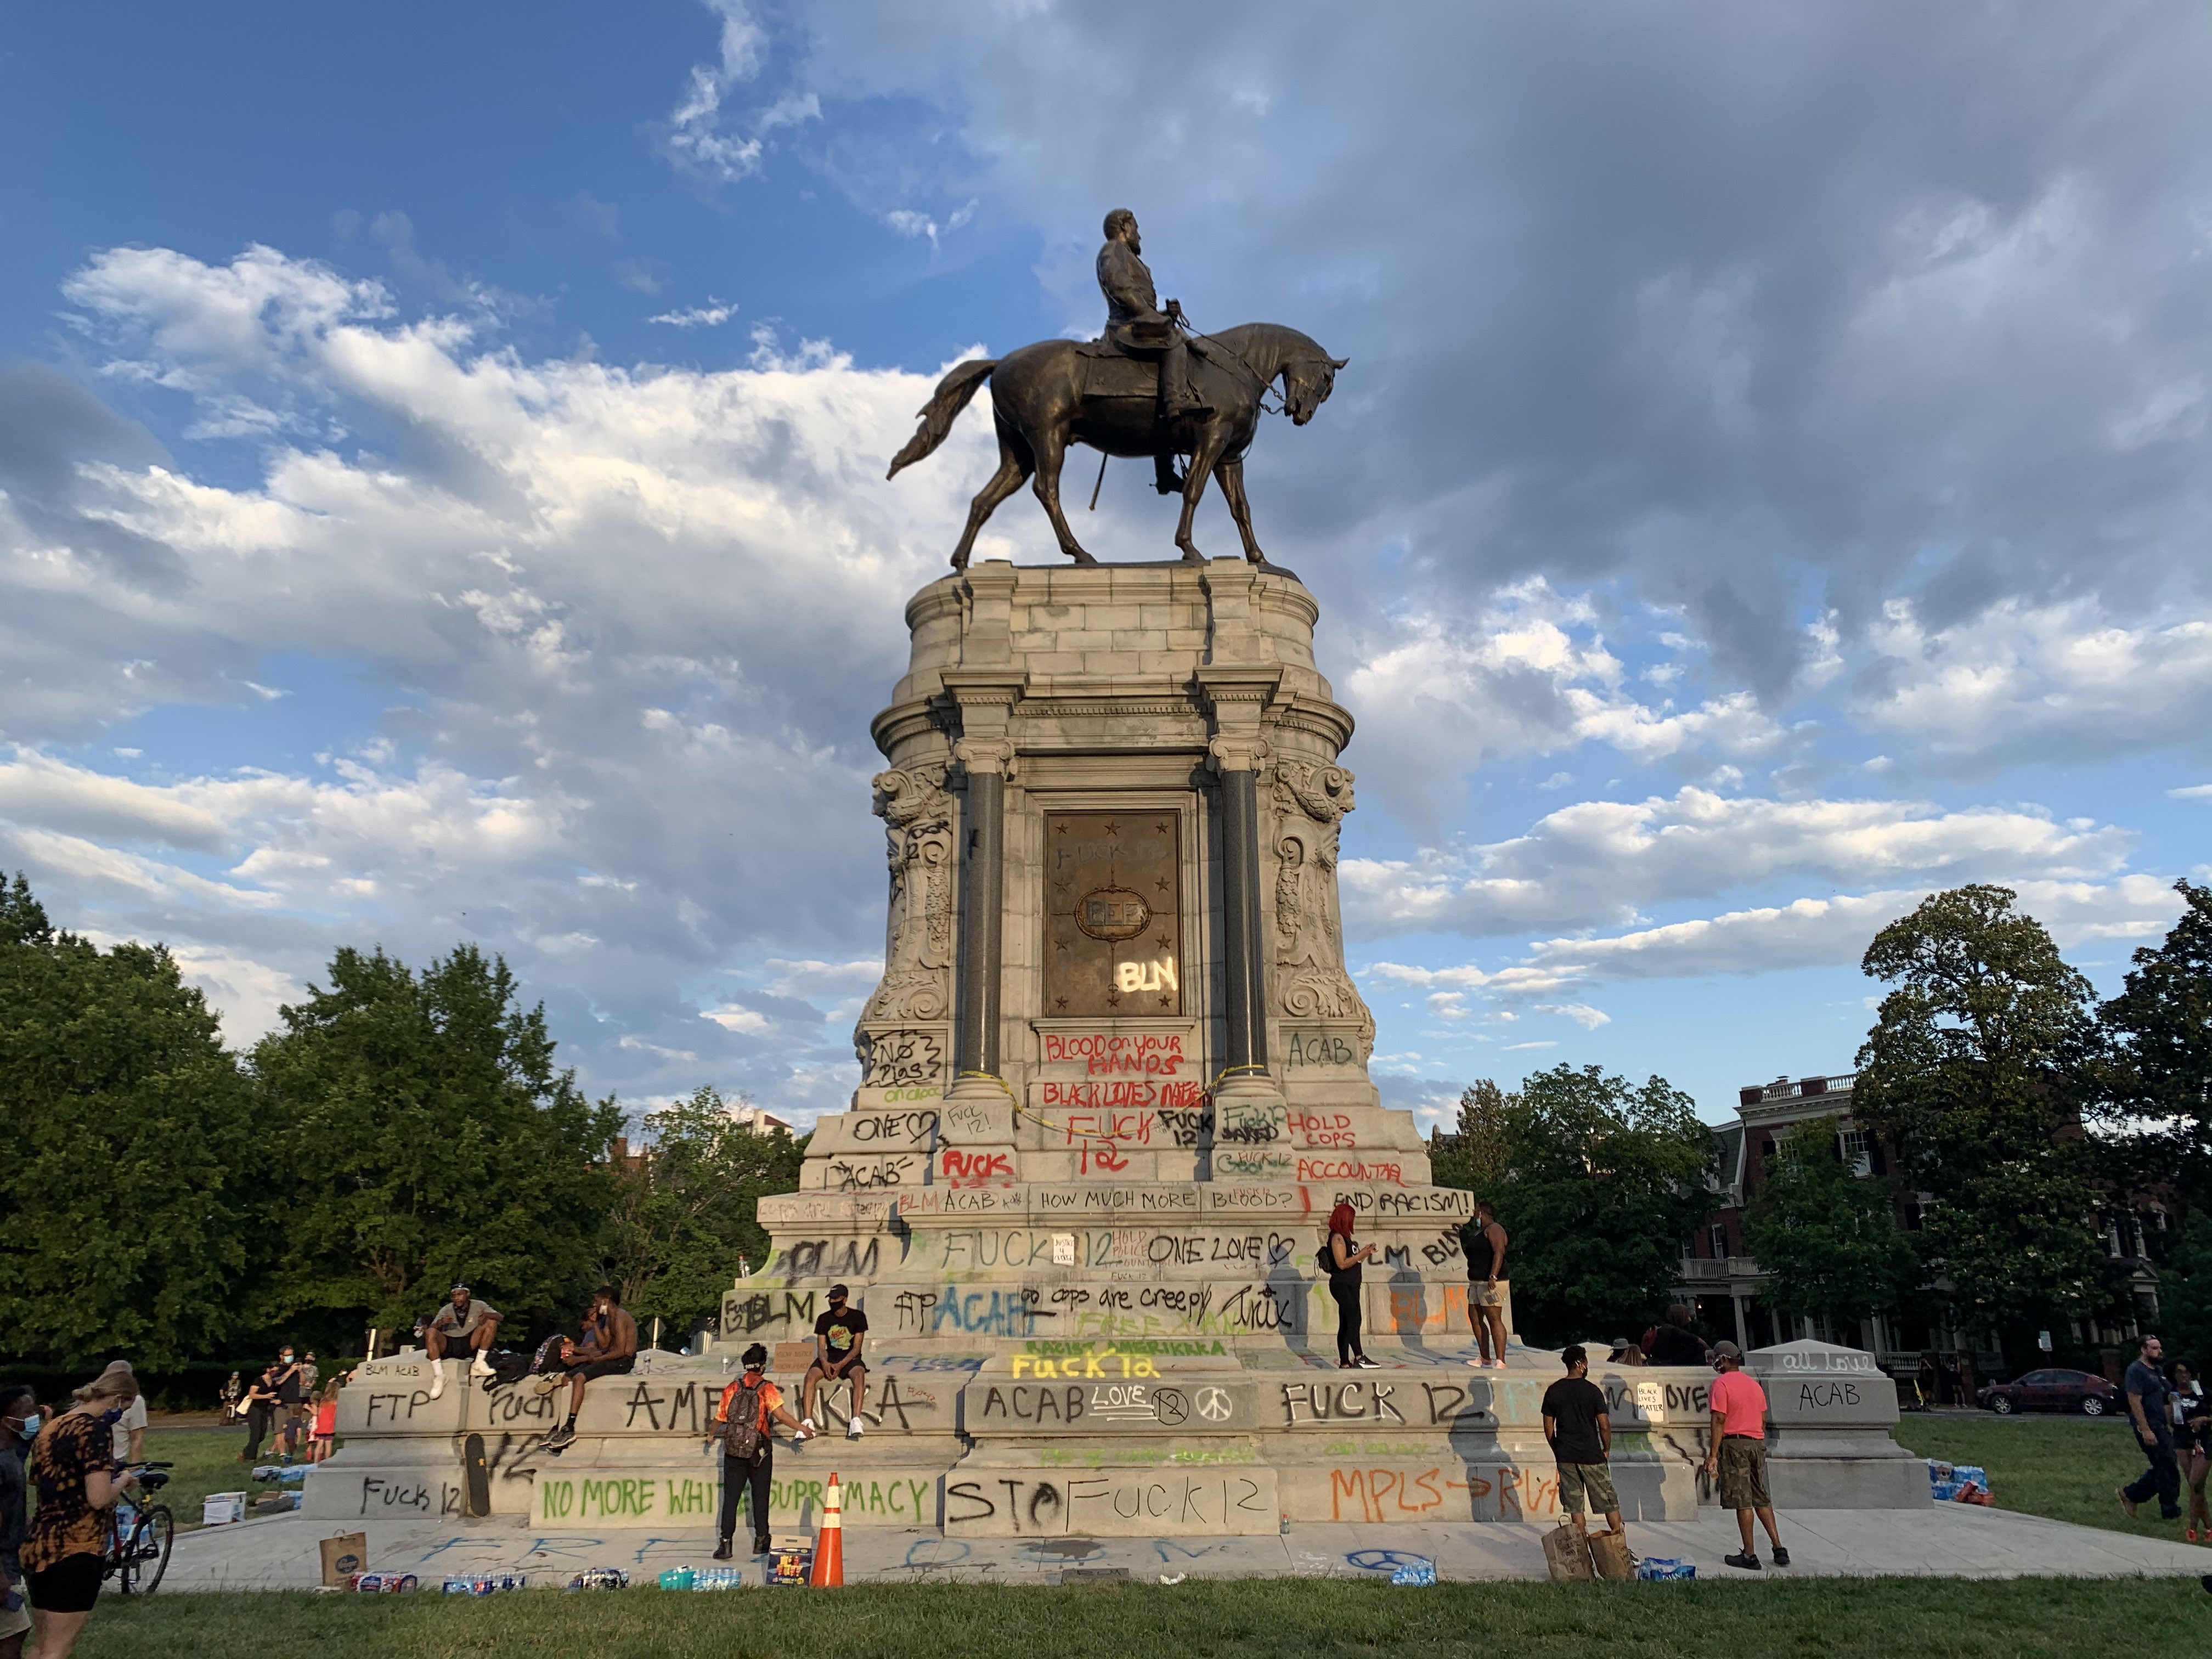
column 829, row 1541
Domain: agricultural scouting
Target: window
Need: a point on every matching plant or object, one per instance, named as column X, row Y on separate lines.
column 1851, row 1147
column 1717, row 1241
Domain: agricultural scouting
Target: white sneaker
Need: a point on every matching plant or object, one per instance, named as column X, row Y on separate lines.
column 854, row 1429
column 437, row 1378
column 482, row 1367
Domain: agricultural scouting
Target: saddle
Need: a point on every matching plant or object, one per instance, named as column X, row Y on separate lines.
column 1108, row 374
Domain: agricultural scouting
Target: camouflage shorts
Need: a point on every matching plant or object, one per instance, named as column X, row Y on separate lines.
column 1743, row 1474
column 1595, row 1479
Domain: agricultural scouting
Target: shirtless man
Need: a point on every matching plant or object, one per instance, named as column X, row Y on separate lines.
column 609, row 1348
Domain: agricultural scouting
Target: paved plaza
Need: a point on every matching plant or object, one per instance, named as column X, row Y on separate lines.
column 1945, row 1540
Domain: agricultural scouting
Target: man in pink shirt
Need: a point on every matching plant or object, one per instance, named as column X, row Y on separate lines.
column 1737, row 1449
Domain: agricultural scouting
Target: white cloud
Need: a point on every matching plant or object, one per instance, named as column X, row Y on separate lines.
column 631, row 623
column 1772, row 939
column 695, row 139
column 1598, row 863
column 2194, row 792
column 2026, row 681
column 1581, row 1013
column 713, row 314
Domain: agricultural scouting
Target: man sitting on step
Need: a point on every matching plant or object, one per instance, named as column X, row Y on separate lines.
column 609, row 1348
column 464, row 1325
column 839, row 1336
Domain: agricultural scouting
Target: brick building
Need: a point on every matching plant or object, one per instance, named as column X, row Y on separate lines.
column 1726, row 1286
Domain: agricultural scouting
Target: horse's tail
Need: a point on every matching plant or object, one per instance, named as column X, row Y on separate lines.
column 954, row 393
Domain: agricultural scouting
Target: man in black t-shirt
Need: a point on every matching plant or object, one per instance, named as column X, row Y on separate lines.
column 839, row 1336
column 1581, row 1434
column 1675, row 1343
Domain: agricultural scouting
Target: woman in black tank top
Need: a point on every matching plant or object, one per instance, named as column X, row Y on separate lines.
column 1342, row 1259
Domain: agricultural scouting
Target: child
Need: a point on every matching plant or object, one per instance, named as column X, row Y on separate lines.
column 324, row 1441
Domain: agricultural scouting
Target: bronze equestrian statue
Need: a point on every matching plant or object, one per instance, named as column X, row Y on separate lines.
column 1141, row 391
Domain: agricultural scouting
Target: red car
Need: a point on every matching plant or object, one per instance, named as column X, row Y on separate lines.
column 2052, row 1391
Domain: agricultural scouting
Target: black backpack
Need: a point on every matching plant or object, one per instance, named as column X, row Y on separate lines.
column 742, row 1438
column 506, row 1367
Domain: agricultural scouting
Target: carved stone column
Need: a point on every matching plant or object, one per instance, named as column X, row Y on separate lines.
column 986, row 755
column 1236, row 751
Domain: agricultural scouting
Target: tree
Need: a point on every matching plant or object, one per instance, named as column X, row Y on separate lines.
column 687, row 1211
column 1472, row 1153
column 1973, row 1071
column 423, row 1137
column 130, row 1220
column 2159, row 1067
column 1827, row 1235
column 1599, row 1181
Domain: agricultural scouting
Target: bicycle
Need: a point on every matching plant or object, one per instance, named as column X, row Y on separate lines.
column 140, row 1534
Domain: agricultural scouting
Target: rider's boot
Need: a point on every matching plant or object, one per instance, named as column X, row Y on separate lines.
column 1165, row 479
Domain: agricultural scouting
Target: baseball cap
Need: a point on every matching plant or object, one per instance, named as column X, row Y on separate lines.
column 1726, row 1351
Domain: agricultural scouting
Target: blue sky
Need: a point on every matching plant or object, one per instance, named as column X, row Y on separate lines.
column 442, row 461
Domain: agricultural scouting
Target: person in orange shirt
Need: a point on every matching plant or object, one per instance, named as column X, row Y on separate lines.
column 1737, row 1449
column 744, row 1419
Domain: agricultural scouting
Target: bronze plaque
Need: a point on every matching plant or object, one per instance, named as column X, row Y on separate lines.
column 1112, row 910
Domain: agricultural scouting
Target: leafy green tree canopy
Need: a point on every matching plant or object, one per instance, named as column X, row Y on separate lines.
column 1827, row 1235
column 2159, row 1071
column 1597, row 1183
column 425, row 1138
column 1971, row 1070
column 686, row 1210
column 124, row 1188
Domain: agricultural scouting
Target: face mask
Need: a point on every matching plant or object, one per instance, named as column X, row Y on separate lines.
column 30, row 1426
column 111, row 1417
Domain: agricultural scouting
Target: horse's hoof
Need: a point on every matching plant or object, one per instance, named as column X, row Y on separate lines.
column 1192, row 556
column 1080, row 556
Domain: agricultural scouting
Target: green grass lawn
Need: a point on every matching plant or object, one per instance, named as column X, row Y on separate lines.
column 1218, row 1620
column 2062, row 1466
column 206, row 1459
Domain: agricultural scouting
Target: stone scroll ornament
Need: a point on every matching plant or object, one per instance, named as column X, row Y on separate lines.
column 1311, row 802
column 917, row 815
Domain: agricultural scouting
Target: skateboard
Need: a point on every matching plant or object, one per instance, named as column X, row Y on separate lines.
column 475, row 1476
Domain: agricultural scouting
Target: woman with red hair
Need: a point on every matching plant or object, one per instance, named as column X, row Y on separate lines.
column 1342, row 1259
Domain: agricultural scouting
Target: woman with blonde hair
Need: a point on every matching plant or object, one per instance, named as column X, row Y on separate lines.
column 73, row 1470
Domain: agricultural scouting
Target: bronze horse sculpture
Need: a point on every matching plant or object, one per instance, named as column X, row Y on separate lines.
column 1047, row 395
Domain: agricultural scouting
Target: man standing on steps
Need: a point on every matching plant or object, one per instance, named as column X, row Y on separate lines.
column 1737, row 1449
column 743, row 1421
column 839, row 1336
column 2147, row 1392
column 462, row 1326
column 1485, row 1260
column 1581, row 1436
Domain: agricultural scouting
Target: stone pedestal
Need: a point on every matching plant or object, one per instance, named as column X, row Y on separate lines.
column 1113, row 1081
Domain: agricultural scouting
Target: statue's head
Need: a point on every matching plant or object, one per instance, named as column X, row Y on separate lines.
column 1121, row 227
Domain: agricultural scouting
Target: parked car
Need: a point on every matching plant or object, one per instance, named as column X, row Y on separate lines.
column 2052, row 1391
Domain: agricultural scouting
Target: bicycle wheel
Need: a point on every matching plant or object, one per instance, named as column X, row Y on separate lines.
column 147, row 1556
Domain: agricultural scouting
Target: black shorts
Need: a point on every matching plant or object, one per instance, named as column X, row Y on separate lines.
column 592, row 1367
column 70, row 1585
column 859, row 1367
